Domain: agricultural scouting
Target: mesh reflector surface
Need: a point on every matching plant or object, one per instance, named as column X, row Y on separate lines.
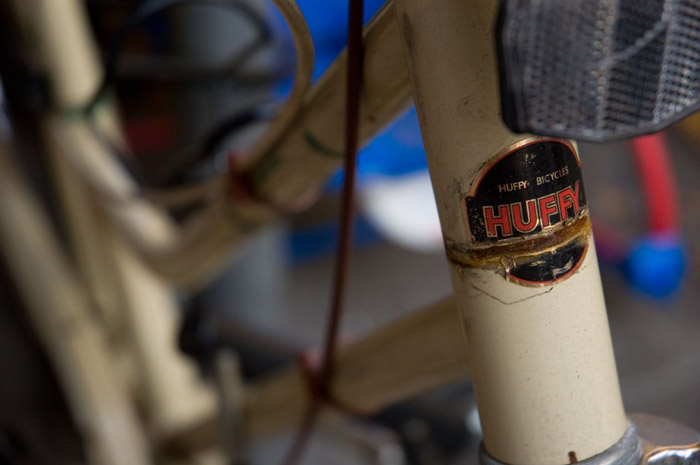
column 598, row 69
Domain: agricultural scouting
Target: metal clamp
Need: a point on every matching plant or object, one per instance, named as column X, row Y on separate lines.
column 649, row 440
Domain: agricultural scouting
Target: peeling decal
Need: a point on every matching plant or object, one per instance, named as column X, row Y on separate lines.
column 527, row 191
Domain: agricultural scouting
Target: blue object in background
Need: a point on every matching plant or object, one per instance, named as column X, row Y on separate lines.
column 327, row 20
column 396, row 151
column 656, row 265
column 320, row 241
column 399, row 149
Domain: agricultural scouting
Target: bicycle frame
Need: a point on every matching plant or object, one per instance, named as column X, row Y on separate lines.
column 541, row 357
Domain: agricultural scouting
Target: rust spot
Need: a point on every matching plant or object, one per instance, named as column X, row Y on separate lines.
column 493, row 256
column 463, row 106
column 572, row 457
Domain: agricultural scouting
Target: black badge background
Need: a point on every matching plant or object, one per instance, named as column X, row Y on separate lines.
column 550, row 266
column 524, row 163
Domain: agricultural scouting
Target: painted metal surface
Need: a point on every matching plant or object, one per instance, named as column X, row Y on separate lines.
column 541, row 356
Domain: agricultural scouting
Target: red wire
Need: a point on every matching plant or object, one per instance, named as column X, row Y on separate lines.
column 320, row 391
column 658, row 184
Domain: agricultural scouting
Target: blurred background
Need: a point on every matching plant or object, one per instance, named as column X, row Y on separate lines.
column 275, row 293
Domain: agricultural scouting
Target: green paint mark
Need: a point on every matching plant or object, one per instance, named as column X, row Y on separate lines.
column 74, row 114
column 320, row 148
column 77, row 113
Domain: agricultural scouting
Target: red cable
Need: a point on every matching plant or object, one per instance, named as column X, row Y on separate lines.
column 658, row 184
column 320, row 388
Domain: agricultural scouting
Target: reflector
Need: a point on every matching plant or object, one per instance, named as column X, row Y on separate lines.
column 598, row 69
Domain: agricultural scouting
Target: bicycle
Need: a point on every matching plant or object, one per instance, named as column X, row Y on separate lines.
column 505, row 293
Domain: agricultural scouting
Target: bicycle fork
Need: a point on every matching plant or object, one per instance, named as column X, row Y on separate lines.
column 522, row 259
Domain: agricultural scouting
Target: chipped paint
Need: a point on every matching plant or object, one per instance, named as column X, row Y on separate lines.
column 506, row 255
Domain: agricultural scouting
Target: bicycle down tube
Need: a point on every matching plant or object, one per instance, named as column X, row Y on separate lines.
column 518, row 239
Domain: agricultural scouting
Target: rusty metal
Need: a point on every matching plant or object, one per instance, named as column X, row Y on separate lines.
column 576, row 229
column 626, row 451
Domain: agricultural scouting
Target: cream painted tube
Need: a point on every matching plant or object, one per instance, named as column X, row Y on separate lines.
column 517, row 234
